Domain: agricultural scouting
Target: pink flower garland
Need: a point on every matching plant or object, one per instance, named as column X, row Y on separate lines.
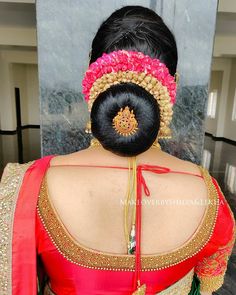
column 123, row 60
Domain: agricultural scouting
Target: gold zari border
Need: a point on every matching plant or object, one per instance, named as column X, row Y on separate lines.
column 80, row 255
column 9, row 189
column 211, row 284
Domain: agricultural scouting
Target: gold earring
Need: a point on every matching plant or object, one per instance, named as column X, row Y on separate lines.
column 177, row 77
column 88, row 128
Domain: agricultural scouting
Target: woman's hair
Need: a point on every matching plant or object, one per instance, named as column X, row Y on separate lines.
column 134, row 28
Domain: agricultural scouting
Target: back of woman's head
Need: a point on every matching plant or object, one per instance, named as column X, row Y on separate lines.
column 132, row 28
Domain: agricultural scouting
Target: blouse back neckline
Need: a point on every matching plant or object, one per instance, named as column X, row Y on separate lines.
column 82, row 255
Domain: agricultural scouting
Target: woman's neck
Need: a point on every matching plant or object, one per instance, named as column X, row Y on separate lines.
column 97, row 155
column 152, row 151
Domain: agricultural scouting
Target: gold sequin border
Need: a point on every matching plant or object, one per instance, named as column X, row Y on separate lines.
column 80, row 255
column 9, row 189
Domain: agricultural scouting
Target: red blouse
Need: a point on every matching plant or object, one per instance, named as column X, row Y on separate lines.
column 73, row 268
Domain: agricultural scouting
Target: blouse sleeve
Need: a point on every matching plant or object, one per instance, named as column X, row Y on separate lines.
column 211, row 269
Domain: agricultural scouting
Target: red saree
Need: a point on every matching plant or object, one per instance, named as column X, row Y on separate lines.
column 74, row 269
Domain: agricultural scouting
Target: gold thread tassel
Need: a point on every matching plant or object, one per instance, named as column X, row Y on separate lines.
column 131, row 239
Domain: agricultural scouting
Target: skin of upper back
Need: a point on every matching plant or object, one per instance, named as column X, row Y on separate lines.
column 90, row 201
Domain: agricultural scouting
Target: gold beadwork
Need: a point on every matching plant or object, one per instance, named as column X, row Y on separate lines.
column 125, row 123
column 211, row 284
column 81, row 255
column 9, row 188
column 149, row 83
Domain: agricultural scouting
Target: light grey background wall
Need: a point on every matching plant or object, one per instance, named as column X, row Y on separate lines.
column 25, row 77
column 223, row 125
column 65, row 31
column 230, row 125
column 215, row 85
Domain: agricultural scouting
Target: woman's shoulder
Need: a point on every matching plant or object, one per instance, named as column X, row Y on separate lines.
column 14, row 174
column 165, row 159
column 183, row 165
column 99, row 156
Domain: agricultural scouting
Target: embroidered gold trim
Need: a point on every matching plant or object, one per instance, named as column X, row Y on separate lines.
column 181, row 287
column 211, row 284
column 9, row 188
column 211, row 270
column 83, row 256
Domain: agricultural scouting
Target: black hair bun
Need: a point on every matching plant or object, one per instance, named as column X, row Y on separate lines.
column 146, row 111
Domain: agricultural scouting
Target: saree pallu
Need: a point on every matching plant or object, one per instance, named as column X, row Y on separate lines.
column 19, row 191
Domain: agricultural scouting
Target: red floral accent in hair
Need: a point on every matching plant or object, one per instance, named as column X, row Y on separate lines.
column 123, row 60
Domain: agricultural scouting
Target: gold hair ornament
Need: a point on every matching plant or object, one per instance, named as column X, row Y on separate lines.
column 125, row 123
column 149, row 83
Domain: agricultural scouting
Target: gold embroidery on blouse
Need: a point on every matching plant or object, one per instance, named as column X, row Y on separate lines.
column 181, row 287
column 211, row 270
column 9, row 188
column 83, row 256
column 211, row 284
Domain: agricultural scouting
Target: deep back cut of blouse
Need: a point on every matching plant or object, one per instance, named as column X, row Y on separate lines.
column 73, row 268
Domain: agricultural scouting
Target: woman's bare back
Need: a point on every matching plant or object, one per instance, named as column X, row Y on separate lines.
column 90, row 201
